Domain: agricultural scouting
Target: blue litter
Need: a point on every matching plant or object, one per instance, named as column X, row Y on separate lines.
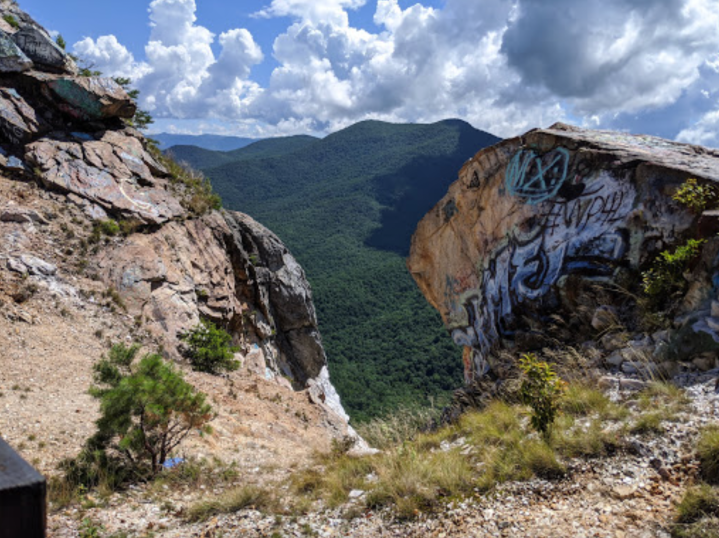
column 173, row 462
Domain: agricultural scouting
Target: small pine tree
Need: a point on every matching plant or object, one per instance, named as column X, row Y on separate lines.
column 209, row 348
column 542, row 390
column 147, row 409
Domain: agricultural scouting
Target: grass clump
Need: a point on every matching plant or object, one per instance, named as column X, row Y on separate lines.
column 231, row 501
column 708, row 453
column 196, row 192
column 698, row 513
column 396, row 428
column 209, row 348
column 11, row 20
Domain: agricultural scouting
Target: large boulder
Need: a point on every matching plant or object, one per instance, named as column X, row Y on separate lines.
column 112, row 170
column 534, row 218
column 19, row 123
column 12, row 59
column 88, row 98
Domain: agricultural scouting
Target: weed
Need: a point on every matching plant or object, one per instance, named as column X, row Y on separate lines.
column 115, row 297
column 649, row 423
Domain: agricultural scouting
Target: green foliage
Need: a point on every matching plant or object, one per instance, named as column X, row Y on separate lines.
column 61, row 42
column 11, row 20
column 695, row 196
column 542, row 390
column 142, row 119
column 708, row 454
column 195, row 190
column 664, row 277
column 210, row 348
column 146, row 410
column 356, row 197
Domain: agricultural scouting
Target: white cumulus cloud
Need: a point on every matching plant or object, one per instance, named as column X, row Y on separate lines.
column 503, row 65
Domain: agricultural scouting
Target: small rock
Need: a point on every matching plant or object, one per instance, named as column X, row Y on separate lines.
column 604, row 318
column 356, row 493
column 632, row 384
column 613, row 341
column 629, row 368
column 624, row 491
column 615, row 359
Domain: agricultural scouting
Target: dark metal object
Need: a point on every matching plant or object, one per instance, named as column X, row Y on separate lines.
column 22, row 497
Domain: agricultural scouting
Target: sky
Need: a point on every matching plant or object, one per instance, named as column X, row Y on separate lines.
column 261, row 68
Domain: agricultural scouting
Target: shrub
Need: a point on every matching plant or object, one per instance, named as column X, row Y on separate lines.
column 542, row 390
column 708, row 454
column 696, row 197
column 209, row 348
column 11, row 20
column 147, row 409
column 664, row 277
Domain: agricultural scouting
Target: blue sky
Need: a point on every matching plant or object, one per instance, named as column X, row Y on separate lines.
column 271, row 67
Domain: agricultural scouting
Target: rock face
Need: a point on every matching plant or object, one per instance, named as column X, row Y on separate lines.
column 175, row 263
column 535, row 221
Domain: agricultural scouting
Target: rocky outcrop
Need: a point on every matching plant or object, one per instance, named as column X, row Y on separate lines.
column 174, row 263
column 537, row 224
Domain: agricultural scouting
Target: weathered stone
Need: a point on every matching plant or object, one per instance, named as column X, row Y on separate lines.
column 32, row 265
column 615, row 359
column 19, row 122
column 632, row 384
column 87, row 98
column 40, row 48
column 110, row 172
column 553, row 204
column 605, row 317
column 12, row 59
column 283, row 295
column 21, row 214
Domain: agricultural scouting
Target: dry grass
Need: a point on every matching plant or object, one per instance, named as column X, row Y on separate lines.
column 398, row 427
column 708, row 453
column 231, row 501
column 698, row 513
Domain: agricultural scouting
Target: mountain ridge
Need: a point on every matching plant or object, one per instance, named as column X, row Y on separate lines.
column 347, row 205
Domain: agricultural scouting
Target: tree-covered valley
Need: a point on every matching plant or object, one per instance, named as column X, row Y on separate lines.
column 346, row 206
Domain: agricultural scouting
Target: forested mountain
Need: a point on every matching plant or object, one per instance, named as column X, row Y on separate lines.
column 206, row 141
column 346, row 206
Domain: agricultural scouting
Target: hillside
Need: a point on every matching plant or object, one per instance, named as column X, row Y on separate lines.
column 346, row 206
column 206, row 141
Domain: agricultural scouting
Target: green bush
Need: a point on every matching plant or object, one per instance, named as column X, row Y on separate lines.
column 11, row 20
column 664, row 277
column 542, row 390
column 146, row 410
column 209, row 348
column 696, row 197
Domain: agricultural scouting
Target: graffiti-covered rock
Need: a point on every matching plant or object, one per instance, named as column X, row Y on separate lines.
column 533, row 219
column 40, row 48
